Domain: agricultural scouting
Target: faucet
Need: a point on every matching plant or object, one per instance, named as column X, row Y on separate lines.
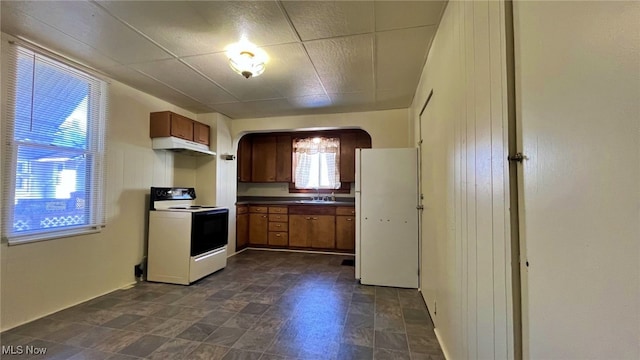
column 317, row 197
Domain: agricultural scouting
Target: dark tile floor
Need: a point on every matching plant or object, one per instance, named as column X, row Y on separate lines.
column 264, row 305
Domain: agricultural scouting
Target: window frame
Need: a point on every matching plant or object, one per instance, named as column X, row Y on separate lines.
column 94, row 153
column 345, row 187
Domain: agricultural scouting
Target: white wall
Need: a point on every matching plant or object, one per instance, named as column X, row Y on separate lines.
column 578, row 94
column 388, row 128
column 44, row 277
column 465, row 242
column 216, row 178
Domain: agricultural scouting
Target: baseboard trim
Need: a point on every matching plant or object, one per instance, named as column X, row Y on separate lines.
column 237, row 252
column 444, row 349
column 299, row 251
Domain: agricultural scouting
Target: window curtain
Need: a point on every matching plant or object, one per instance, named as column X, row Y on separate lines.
column 316, row 163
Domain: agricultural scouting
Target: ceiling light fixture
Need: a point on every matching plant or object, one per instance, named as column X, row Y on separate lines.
column 246, row 58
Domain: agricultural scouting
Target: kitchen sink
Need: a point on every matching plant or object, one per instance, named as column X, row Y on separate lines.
column 316, row 201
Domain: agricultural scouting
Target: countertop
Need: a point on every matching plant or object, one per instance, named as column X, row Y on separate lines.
column 292, row 200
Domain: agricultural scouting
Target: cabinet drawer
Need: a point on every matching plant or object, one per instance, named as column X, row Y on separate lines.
column 242, row 210
column 277, row 209
column 278, row 226
column 312, row 210
column 345, row 211
column 258, row 209
column 278, row 218
column 278, row 238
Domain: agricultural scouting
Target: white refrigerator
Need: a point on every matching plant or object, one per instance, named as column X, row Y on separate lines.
column 387, row 217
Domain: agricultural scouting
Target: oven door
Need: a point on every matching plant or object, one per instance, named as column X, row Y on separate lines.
column 209, row 230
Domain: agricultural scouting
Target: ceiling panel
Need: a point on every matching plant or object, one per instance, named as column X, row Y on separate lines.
column 405, row 14
column 325, row 56
column 310, row 102
column 400, row 57
column 91, row 25
column 324, row 19
column 344, row 64
column 261, row 22
column 290, row 71
column 391, row 99
column 216, row 67
column 150, row 86
column 191, row 28
column 183, row 78
column 23, row 26
column 352, row 99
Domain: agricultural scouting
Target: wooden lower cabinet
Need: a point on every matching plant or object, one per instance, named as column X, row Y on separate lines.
column 304, row 227
column 323, row 232
column 242, row 231
column 345, row 233
column 258, row 228
column 278, row 238
column 299, row 231
column 312, row 231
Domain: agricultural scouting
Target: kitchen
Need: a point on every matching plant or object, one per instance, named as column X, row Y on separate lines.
column 42, row 278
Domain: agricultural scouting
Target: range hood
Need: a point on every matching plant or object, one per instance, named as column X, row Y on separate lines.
column 182, row 146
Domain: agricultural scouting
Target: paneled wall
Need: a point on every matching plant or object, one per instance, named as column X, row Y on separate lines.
column 465, row 242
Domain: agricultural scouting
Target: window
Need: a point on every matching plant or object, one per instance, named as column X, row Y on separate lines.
column 54, row 150
column 315, row 163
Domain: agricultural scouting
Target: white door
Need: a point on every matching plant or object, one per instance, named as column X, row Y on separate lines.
column 578, row 107
column 389, row 217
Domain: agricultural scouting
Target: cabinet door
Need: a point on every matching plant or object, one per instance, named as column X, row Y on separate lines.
column 345, row 233
column 244, row 159
column 283, row 158
column 242, row 231
column 348, row 157
column 299, row 231
column 258, row 224
column 181, row 127
column 200, row 133
column 263, row 167
column 323, row 231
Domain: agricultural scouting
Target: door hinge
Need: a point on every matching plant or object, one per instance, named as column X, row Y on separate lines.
column 518, row 157
column 420, row 207
column 435, row 306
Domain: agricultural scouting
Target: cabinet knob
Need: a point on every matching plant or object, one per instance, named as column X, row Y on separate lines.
column 278, row 235
column 264, row 216
column 315, row 218
column 308, row 218
column 349, row 219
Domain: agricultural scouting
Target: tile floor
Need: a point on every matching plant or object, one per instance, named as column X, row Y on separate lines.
column 264, row 305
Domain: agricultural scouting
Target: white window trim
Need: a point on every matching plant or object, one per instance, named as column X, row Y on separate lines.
column 98, row 211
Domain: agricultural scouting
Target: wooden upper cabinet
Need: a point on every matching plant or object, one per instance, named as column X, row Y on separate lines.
column 348, row 143
column 167, row 123
column 269, row 157
column 363, row 140
column 283, row 158
column 263, row 159
column 244, row 159
column 200, row 133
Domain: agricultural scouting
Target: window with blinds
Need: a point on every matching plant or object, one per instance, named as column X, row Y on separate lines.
column 54, row 128
column 316, row 163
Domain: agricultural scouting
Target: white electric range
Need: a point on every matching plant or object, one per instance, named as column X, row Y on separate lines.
column 186, row 241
